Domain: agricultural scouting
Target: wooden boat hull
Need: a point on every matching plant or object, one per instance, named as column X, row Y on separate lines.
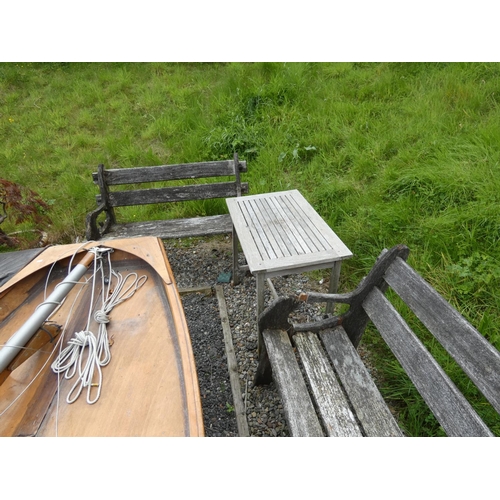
column 150, row 387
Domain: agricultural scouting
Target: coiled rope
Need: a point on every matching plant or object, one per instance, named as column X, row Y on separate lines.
column 86, row 353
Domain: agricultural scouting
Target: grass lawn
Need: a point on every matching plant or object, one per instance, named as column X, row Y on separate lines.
column 386, row 153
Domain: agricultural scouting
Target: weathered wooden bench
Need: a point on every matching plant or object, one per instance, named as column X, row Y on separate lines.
column 108, row 200
column 326, row 388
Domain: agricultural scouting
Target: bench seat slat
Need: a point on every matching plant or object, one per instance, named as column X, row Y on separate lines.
column 333, row 407
column 450, row 407
column 299, row 410
column 371, row 409
column 478, row 358
column 137, row 175
column 173, row 194
column 172, row 228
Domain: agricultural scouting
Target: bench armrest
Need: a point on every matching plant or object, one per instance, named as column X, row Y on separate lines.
column 92, row 231
column 340, row 298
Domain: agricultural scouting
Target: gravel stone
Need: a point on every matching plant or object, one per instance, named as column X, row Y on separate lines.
column 198, row 262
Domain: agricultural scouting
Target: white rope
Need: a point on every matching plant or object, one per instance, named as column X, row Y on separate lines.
column 58, row 343
column 87, row 353
column 55, row 347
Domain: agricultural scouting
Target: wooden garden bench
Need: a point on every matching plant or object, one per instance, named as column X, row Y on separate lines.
column 108, row 200
column 332, row 393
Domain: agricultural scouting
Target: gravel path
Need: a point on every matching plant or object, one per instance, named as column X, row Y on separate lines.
column 200, row 262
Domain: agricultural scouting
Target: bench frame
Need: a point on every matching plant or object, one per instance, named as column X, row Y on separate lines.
column 327, row 353
column 107, row 200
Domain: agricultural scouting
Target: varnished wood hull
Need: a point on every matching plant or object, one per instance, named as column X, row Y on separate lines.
column 150, row 387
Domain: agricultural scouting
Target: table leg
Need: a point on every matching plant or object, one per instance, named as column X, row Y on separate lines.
column 259, row 278
column 273, row 290
column 236, row 277
column 334, row 284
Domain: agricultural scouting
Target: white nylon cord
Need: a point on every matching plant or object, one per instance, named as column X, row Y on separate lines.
column 101, row 316
column 56, row 345
column 95, row 348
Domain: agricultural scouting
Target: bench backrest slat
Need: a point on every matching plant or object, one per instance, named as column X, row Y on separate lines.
column 164, row 184
column 137, row 175
column 450, row 407
column 173, row 194
column 477, row 357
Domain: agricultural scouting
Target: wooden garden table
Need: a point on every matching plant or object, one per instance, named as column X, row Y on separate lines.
column 280, row 233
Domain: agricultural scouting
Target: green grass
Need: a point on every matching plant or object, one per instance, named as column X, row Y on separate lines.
column 386, row 153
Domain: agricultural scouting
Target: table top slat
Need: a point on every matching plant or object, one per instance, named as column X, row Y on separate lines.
column 282, row 232
column 315, row 242
column 257, row 232
column 274, row 231
column 290, row 225
column 277, row 224
column 318, row 241
column 322, row 228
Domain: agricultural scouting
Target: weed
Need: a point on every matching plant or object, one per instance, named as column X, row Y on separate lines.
column 298, row 153
column 22, row 205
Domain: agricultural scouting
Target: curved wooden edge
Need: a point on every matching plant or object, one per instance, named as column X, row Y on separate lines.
column 46, row 258
column 139, row 247
column 193, row 400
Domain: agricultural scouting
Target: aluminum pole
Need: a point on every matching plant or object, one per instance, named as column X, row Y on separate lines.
column 15, row 344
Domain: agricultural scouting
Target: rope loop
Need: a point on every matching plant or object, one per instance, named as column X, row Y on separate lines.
column 101, row 317
column 86, row 353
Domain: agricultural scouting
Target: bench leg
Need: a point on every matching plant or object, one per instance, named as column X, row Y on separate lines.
column 236, row 277
column 264, row 373
column 334, row 284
